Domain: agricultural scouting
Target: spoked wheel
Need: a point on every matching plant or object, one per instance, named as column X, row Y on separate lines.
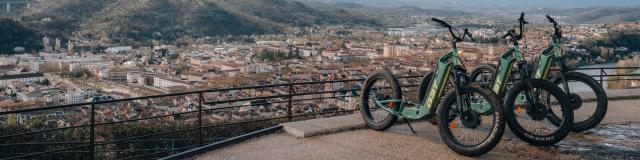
column 587, row 98
column 530, row 113
column 483, row 74
column 469, row 131
column 381, row 90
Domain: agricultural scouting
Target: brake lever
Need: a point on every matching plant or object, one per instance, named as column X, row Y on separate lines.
column 551, row 20
column 472, row 39
column 510, row 33
column 442, row 23
column 558, row 32
column 521, row 19
column 466, row 32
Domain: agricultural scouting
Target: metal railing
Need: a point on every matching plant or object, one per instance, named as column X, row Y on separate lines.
column 602, row 76
column 28, row 142
column 170, row 136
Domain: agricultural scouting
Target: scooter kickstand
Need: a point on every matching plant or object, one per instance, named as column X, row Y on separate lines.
column 409, row 124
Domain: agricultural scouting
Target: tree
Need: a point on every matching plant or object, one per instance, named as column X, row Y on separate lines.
column 266, row 55
column 12, row 120
column 13, row 34
column 45, row 82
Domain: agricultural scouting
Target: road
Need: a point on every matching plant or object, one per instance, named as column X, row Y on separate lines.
column 399, row 143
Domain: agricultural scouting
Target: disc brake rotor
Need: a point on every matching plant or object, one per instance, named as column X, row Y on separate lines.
column 576, row 101
column 470, row 119
column 539, row 112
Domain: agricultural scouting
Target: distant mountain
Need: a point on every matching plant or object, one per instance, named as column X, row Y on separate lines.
column 511, row 5
column 592, row 15
column 125, row 21
column 297, row 13
column 400, row 16
column 605, row 15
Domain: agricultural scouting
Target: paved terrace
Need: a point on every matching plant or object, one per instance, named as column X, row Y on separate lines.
column 350, row 140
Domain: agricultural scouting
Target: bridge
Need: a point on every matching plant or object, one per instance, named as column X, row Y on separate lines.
column 196, row 123
column 12, row 3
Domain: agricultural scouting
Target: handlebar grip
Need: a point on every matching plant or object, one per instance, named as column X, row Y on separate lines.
column 551, row 19
column 466, row 31
column 555, row 26
column 510, row 33
column 521, row 19
column 443, row 23
column 506, row 35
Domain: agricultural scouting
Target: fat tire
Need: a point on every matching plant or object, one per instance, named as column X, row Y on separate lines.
column 496, row 132
column 563, row 128
column 364, row 108
column 601, row 98
column 475, row 72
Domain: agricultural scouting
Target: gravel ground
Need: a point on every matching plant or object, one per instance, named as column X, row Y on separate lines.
column 399, row 143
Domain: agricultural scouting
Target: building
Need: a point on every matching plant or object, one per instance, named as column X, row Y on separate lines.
column 70, row 46
column 58, row 46
column 114, row 74
column 34, row 66
column 45, row 43
column 256, row 68
column 7, row 79
column 271, row 43
column 77, row 64
column 395, row 51
column 132, row 77
column 174, row 89
column 89, row 92
column 7, row 68
column 351, row 58
column 143, row 78
column 50, row 96
column 119, row 49
column 165, row 82
column 74, row 97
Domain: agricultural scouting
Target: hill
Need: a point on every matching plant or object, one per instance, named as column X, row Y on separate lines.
column 297, row 13
column 593, row 15
column 15, row 34
column 605, row 14
column 509, row 5
column 126, row 21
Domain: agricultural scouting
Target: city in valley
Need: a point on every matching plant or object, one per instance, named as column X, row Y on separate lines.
column 57, row 53
column 70, row 73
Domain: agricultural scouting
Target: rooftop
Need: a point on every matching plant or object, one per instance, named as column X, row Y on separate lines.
column 23, row 75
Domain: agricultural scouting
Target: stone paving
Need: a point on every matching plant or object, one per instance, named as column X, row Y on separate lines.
column 316, row 127
column 326, row 139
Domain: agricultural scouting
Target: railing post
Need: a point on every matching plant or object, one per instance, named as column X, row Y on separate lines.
column 92, row 134
column 601, row 75
column 200, row 99
column 290, row 99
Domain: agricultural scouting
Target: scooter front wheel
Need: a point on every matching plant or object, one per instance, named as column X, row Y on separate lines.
column 381, row 89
